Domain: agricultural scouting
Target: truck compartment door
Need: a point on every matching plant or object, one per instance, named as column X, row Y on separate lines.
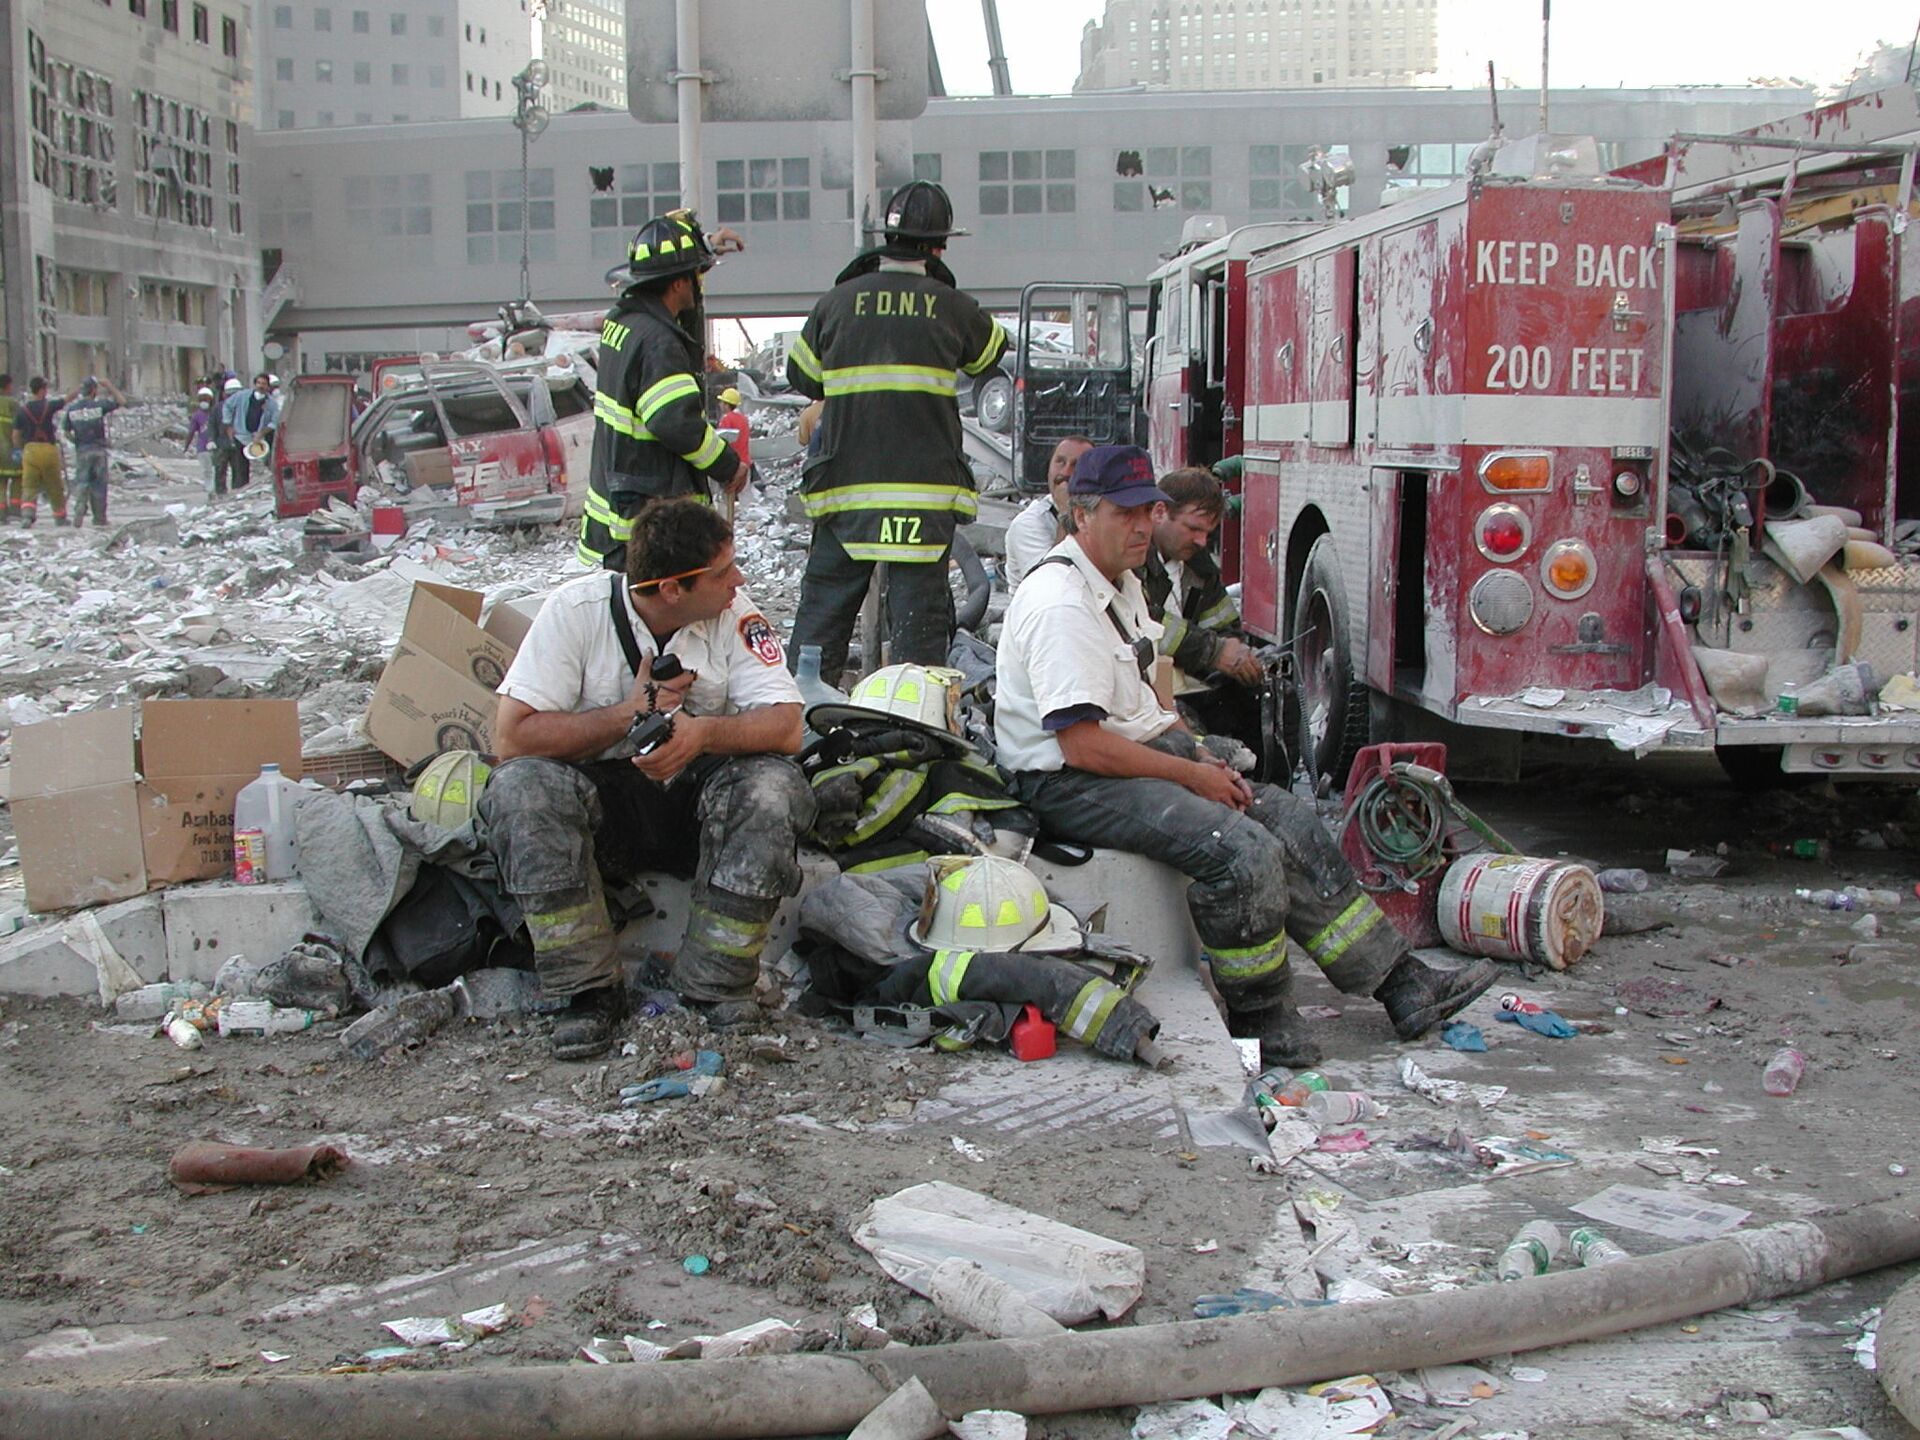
column 1332, row 348
column 1276, row 392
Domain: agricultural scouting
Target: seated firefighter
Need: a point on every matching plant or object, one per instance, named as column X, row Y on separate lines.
column 716, row 799
column 1100, row 761
column 1200, row 624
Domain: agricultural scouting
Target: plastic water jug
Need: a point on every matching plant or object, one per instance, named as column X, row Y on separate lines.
column 267, row 805
column 814, row 690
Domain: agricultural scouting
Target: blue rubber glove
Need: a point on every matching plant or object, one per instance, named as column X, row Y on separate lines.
column 1244, row 1301
column 1545, row 1023
column 676, row 1086
column 1459, row 1035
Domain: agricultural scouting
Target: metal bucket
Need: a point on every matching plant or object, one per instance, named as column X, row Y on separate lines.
column 1515, row 907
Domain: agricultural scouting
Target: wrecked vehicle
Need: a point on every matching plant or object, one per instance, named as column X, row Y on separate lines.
column 507, row 442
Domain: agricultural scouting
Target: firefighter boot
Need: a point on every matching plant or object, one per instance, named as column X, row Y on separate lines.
column 1272, row 1019
column 719, row 960
column 587, row 1026
column 1419, row 994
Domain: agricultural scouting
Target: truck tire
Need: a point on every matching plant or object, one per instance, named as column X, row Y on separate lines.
column 1333, row 720
column 993, row 401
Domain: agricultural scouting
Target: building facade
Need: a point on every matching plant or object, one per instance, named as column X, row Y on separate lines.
column 325, row 63
column 584, row 43
column 1259, row 44
column 1087, row 187
column 126, row 184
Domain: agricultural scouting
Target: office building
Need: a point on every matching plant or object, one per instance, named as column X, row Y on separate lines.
column 1259, row 44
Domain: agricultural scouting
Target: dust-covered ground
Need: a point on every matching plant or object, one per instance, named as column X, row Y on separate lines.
column 483, row 1173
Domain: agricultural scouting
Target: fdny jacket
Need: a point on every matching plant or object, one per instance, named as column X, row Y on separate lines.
column 882, row 350
column 651, row 438
column 1197, row 620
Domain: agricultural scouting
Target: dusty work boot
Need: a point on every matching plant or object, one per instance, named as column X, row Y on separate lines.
column 727, row 1014
column 1284, row 1041
column 1419, row 994
column 586, row 1027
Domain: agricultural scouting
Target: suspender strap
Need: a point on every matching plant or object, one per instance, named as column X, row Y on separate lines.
column 1143, row 651
column 622, row 626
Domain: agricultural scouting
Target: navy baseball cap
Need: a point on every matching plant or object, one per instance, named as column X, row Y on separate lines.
column 1120, row 473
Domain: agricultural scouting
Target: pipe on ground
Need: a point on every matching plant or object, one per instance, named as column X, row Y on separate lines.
column 1896, row 1352
column 1138, row 1365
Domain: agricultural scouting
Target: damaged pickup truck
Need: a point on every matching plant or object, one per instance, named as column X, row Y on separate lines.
column 508, row 442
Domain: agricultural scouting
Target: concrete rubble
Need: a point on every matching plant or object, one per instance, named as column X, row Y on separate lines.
column 515, row 1213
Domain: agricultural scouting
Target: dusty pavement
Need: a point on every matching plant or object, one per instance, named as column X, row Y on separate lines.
column 483, row 1173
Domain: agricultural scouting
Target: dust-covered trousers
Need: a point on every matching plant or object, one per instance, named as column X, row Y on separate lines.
column 90, row 485
column 1260, row 877
column 42, row 473
column 919, row 606
column 558, row 830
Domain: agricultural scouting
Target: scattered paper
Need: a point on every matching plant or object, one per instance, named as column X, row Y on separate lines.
column 989, row 1425
column 642, row 1349
column 1447, row 1092
column 1656, row 1212
column 1357, row 1405
column 274, row 1357
column 1183, row 1420
column 1452, row 1385
column 1503, row 1156
column 452, row 1332
column 970, row 1150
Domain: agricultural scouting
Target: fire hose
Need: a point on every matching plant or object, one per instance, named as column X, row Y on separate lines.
column 1411, row 823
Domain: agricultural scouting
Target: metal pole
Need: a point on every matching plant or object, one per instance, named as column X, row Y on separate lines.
column 996, row 52
column 526, row 279
column 1546, row 27
column 865, row 124
column 687, row 81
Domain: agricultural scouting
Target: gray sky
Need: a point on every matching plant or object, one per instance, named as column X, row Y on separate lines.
column 1595, row 42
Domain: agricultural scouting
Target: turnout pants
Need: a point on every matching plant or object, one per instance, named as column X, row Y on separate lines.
column 1260, row 877
column 558, row 830
column 919, row 607
column 41, row 473
column 90, row 486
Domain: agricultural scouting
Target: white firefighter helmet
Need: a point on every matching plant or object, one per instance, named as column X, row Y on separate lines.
column 987, row 902
column 917, row 697
column 447, row 791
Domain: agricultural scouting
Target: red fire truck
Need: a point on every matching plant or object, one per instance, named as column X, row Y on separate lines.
column 1508, row 461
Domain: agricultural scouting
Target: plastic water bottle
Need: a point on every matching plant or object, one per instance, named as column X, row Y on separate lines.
column 1338, row 1107
column 263, row 1017
column 400, row 1024
column 150, row 1002
column 266, row 805
column 1591, row 1249
column 1296, row 1090
column 1783, row 1072
column 1530, row 1252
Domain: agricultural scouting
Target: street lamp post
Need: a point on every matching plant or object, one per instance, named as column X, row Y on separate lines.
column 529, row 118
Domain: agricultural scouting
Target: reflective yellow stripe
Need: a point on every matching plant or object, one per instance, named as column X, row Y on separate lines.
column 870, row 379
column 948, row 970
column 1250, row 962
column 556, row 929
column 905, row 554
column 1219, row 616
column 801, row 353
column 1174, row 633
column 724, row 935
column 1088, row 1013
column 600, row 512
column 888, row 804
column 844, row 498
column 995, row 344
column 664, row 392
column 618, row 418
column 706, row 452
column 887, row 862
column 1354, row 922
column 587, row 555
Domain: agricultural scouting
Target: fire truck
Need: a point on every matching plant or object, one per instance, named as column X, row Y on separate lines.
column 1519, row 455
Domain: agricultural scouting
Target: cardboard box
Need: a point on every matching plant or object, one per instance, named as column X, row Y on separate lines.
column 76, row 813
column 195, row 755
column 437, row 692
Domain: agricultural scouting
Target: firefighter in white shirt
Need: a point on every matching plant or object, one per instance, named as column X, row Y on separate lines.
column 611, row 769
column 1036, row 529
column 1101, row 761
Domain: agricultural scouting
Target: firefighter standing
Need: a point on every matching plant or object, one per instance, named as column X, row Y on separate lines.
column 10, row 495
column 1100, row 761
column 890, row 482
column 651, row 439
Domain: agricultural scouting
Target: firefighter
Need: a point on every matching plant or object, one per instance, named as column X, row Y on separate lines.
column 1100, row 761
column 10, row 493
column 579, row 797
column 890, row 482
column 1200, row 622
column 651, row 439
column 1037, row 528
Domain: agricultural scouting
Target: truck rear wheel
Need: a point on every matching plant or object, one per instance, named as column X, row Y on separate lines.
column 1333, row 702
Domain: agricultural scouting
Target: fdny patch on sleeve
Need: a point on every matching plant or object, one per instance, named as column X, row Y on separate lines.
column 757, row 635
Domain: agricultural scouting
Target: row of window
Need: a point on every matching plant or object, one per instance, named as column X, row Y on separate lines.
column 202, row 23
column 361, row 22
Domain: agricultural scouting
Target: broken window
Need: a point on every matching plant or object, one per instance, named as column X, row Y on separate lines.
column 1170, row 177
column 70, row 117
column 639, row 192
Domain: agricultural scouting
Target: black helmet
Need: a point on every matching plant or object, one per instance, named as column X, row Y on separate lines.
column 665, row 246
column 920, row 210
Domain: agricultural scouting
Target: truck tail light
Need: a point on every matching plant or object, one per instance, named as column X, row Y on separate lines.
column 1506, row 472
column 1567, row 569
column 1502, row 533
column 1500, row 602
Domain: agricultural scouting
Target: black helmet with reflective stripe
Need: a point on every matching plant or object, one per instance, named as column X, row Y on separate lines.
column 920, row 210
column 665, row 246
